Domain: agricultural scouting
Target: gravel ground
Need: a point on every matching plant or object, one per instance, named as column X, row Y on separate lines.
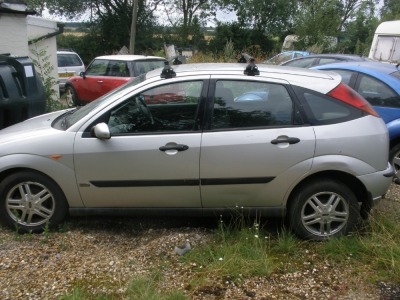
column 105, row 253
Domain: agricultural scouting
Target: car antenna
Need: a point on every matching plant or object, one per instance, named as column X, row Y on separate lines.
column 251, row 69
column 167, row 71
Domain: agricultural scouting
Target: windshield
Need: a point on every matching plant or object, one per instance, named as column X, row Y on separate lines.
column 71, row 117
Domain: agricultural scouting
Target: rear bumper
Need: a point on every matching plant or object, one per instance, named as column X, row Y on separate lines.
column 378, row 183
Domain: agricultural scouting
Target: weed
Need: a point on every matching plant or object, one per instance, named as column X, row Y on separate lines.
column 46, row 233
column 145, row 288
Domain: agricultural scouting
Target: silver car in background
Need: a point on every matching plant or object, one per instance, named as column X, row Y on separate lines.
column 203, row 139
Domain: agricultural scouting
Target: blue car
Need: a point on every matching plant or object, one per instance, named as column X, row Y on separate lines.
column 379, row 83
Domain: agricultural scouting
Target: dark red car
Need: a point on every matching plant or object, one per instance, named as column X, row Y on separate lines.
column 105, row 73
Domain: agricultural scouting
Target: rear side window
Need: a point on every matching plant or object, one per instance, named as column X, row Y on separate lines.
column 322, row 109
column 245, row 104
column 145, row 66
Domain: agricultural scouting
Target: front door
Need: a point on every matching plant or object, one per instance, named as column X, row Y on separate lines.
column 152, row 157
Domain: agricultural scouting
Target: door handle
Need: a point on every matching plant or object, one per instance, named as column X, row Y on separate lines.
column 290, row 140
column 178, row 147
column 99, row 81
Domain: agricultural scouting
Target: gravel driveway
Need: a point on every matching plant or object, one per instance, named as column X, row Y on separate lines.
column 103, row 254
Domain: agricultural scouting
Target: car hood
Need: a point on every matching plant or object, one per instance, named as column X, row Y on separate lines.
column 29, row 128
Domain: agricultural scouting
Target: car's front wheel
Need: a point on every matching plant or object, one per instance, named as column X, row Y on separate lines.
column 30, row 201
column 322, row 209
column 71, row 96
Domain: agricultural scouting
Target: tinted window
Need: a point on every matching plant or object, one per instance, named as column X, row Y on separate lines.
column 322, row 109
column 239, row 104
column 170, row 107
column 377, row 92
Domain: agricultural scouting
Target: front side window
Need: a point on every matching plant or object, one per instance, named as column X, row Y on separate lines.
column 241, row 104
column 167, row 108
column 98, row 67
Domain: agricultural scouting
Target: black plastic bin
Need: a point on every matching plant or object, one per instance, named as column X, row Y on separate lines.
column 22, row 93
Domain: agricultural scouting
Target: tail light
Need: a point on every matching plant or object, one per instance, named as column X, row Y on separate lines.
column 346, row 94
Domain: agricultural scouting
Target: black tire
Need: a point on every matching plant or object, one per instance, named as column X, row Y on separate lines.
column 71, row 97
column 322, row 209
column 30, row 201
column 394, row 159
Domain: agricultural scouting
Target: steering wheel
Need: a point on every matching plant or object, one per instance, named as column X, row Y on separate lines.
column 143, row 108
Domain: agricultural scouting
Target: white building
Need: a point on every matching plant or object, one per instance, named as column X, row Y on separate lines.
column 20, row 32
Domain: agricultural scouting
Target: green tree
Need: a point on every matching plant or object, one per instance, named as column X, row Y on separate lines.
column 185, row 15
column 272, row 17
column 359, row 32
column 110, row 21
column 390, row 10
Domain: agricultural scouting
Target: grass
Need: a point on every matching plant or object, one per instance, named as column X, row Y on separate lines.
column 376, row 249
column 240, row 249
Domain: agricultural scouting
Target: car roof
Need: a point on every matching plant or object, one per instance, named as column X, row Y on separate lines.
column 345, row 57
column 384, row 68
column 297, row 76
column 336, row 55
column 64, row 51
column 372, row 68
column 128, row 57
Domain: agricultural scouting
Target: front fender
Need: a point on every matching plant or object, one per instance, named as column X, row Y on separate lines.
column 58, row 168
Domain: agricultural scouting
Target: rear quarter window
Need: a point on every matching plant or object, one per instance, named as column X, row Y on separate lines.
column 322, row 109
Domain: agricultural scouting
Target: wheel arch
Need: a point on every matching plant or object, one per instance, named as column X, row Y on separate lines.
column 394, row 142
column 9, row 172
column 353, row 183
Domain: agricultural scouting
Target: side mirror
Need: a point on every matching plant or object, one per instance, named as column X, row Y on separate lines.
column 101, row 131
column 82, row 74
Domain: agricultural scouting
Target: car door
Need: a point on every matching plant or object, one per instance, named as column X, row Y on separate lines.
column 117, row 73
column 152, row 157
column 89, row 87
column 255, row 147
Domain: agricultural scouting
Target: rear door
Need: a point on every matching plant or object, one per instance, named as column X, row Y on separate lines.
column 255, row 145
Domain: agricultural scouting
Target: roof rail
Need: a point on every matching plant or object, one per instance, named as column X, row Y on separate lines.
column 167, row 71
column 251, row 69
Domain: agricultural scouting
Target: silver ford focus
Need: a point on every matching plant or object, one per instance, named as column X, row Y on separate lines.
column 203, row 139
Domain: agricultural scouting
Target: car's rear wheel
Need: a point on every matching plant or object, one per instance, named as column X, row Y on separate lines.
column 71, row 96
column 394, row 158
column 322, row 209
column 31, row 201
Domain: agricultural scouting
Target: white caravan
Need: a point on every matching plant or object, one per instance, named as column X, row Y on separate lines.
column 386, row 43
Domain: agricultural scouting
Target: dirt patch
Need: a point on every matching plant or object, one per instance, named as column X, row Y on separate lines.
column 104, row 254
